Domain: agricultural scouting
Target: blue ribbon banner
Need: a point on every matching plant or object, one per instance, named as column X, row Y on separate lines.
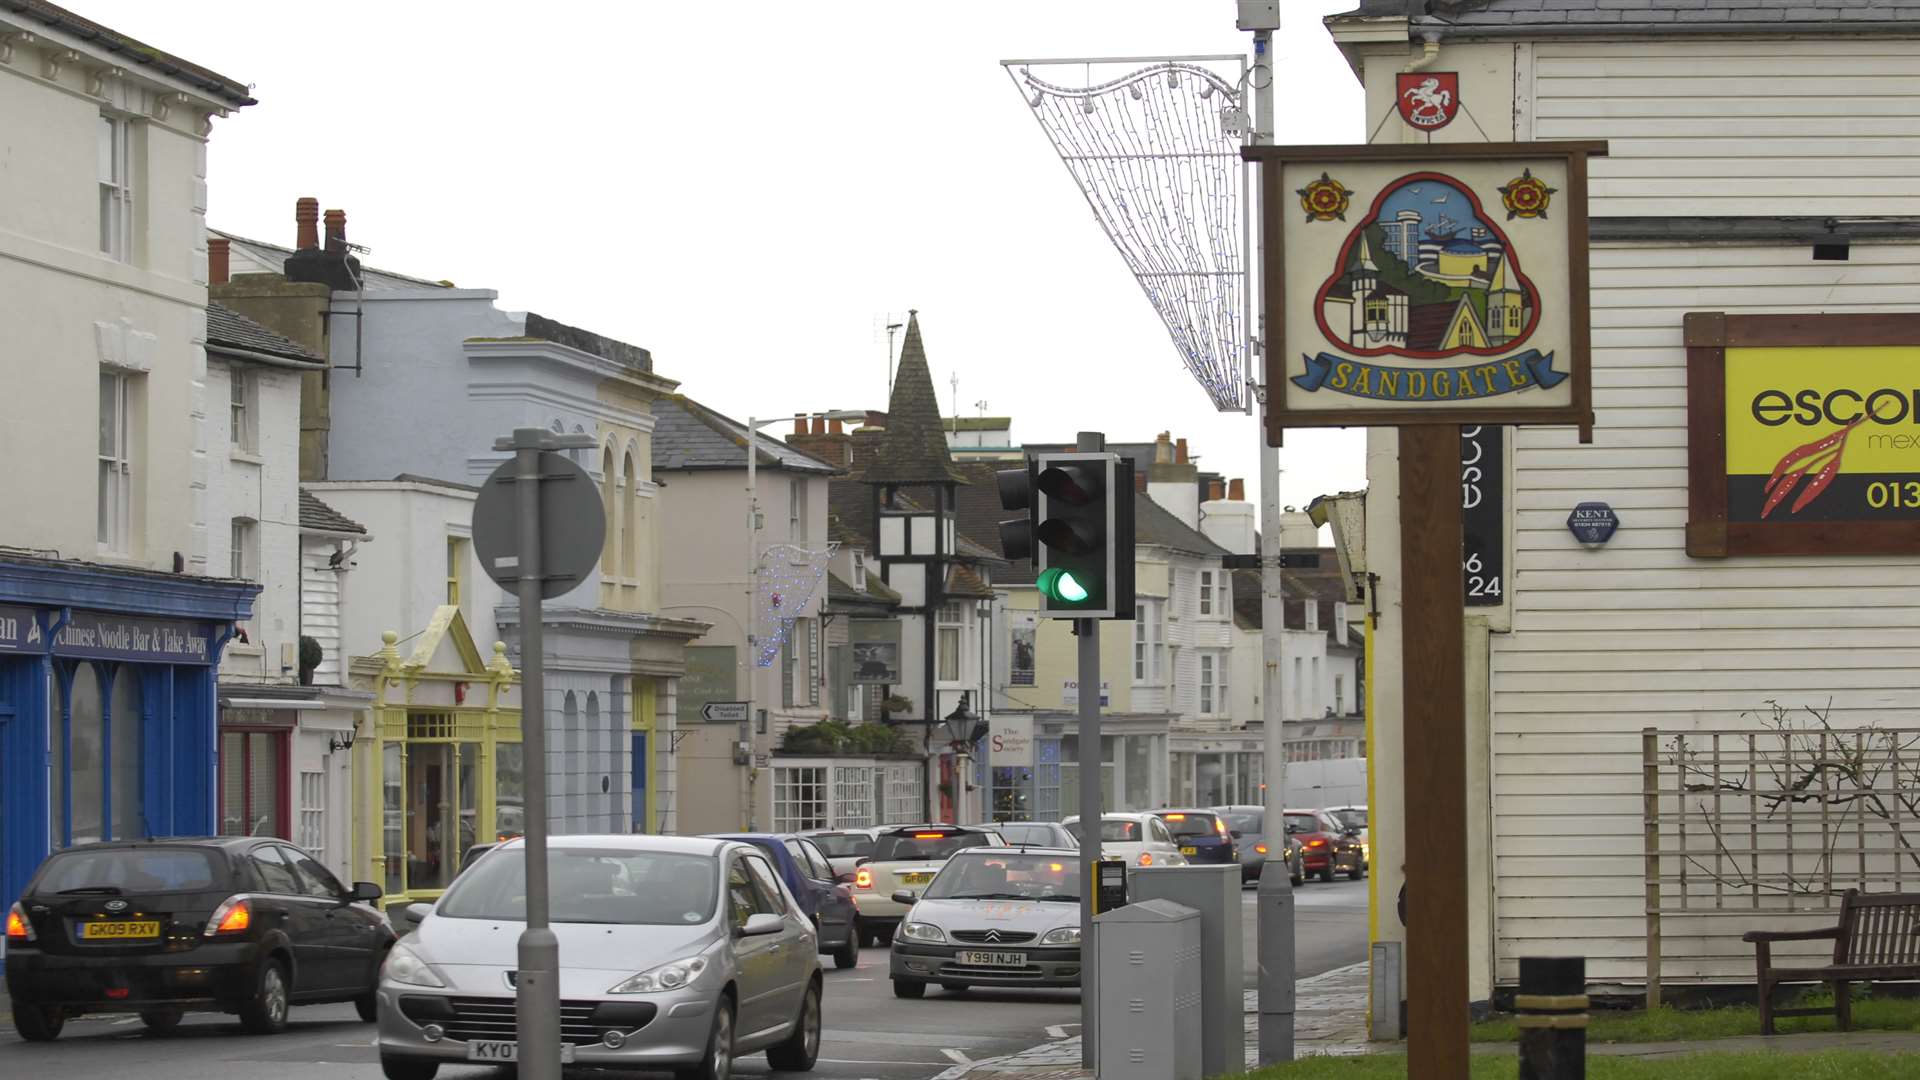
column 1356, row 378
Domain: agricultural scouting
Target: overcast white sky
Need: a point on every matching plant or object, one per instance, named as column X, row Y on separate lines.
column 747, row 187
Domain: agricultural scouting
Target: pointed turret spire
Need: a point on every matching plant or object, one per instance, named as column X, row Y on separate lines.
column 1366, row 254
column 914, row 448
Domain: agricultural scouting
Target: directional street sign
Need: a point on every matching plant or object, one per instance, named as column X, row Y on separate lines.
column 724, row 712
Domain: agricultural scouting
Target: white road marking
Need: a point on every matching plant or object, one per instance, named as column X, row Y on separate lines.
column 1059, row 1031
column 860, row 1061
column 956, row 1056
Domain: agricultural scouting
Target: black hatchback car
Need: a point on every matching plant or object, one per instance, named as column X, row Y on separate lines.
column 247, row 925
column 1203, row 835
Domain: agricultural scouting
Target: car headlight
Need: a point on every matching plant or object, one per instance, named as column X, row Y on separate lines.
column 1061, row 935
column 668, row 976
column 920, row 931
column 406, row 966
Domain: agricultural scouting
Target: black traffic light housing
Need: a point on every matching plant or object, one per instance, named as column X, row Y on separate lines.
column 1078, row 531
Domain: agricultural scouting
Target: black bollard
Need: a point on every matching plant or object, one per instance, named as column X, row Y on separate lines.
column 1551, row 1010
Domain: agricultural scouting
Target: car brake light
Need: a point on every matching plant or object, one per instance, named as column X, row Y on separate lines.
column 1175, row 817
column 1316, row 842
column 929, row 836
column 18, row 928
column 1146, row 858
column 863, row 878
column 1259, row 849
column 231, row 917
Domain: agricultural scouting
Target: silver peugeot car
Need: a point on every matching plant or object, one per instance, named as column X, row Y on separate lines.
column 675, row 953
column 995, row 916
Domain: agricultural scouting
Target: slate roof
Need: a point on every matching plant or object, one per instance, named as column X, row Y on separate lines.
column 1156, row 526
column 320, row 517
column 914, row 448
column 227, row 327
column 841, row 591
column 1322, row 586
column 687, row 436
column 274, row 257
column 963, row 581
column 1834, row 16
column 134, row 52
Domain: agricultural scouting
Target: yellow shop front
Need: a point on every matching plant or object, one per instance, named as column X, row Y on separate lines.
column 442, row 768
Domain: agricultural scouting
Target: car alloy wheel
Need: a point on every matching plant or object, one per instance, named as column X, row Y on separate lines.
column 718, row 1063
column 799, row 1050
column 267, row 1012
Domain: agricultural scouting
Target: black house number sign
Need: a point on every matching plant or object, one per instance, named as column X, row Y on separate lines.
column 1483, row 527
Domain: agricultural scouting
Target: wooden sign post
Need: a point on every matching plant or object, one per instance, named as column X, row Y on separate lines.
column 1426, row 287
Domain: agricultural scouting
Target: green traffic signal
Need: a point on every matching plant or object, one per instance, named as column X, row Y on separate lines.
column 1060, row 585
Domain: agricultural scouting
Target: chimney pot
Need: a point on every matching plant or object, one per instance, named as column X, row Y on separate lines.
column 1216, row 490
column 306, row 219
column 336, row 232
column 219, row 260
column 1180, row 452
column 834, row 427
column 799, row 423
column 1237, row 490
column 819, row 425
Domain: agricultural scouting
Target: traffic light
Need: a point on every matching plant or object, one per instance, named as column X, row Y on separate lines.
column 1080, row 511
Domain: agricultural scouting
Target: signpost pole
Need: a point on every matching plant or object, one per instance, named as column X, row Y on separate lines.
column 537, row 998
column 1433, row 684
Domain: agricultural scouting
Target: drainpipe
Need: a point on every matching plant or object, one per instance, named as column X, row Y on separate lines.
column 1429, row 52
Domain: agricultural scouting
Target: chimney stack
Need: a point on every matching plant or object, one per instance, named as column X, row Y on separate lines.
column 1237, row 490
column 336, row 232
column 219, row 260
column 1180, row 452
column 1163, row 449
column 306, row 218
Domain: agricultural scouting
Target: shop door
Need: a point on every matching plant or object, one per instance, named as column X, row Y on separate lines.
column 639, row 782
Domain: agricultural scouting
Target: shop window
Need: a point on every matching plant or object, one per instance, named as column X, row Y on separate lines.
column 124, row 722
column 902, row 801
column 86, row 740
column 251, row 764
column 853, row 803
column 509, row 791
column 430, row 810
column 799, row 798
column 393, row 807
column 469, row 797
column 115, row 496
column 115, row 175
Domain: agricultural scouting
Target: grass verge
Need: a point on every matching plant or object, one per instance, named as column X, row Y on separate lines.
column 1688, row 1025
column 1831, row 1065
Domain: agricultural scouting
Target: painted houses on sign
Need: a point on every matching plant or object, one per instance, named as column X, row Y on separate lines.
column 1760, row 175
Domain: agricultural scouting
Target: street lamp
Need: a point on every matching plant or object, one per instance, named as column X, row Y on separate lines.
column 964, row 728
column 754, row 424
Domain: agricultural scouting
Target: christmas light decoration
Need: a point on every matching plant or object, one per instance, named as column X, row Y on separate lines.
column 788, row 578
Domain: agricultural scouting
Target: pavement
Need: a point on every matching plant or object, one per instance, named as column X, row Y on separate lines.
column 1330, row 1019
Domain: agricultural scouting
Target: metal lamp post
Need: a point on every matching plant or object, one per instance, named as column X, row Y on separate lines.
column 754, row 424
column 964, row 728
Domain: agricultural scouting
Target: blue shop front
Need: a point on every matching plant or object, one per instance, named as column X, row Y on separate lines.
column 107, row 705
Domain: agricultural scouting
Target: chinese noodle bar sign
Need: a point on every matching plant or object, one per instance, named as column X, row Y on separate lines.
column 1803, row 434
column 1427, row 284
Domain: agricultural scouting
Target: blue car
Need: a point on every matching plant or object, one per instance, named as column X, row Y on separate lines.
column 810, row 877
column 1203, row 835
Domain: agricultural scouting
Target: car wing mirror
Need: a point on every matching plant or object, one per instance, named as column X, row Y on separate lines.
column 761, row 923
column 1235, row 834
column 364, row 892
column 417, row 913
column 844, row 879
column 904, row 896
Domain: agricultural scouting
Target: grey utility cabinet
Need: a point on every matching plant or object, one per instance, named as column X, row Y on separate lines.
column 1214, row 892
column 1149, row 1024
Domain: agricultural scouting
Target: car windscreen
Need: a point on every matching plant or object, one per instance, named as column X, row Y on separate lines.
column 1004, row 875
column 589, row 885
column 1246, row 821
column 1299, row 823
column 846, row 845
column 1191, row 826
column 131, row 870
column 911, row 847
column 1350, row 819
column 1112, row 831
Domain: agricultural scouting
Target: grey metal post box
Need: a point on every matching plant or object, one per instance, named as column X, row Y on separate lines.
column 1214, row 892
column 1149, row 1024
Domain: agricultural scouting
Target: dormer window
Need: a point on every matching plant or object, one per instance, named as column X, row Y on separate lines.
column 859, row 572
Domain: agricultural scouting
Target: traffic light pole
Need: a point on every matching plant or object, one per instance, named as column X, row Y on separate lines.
column 1092, row 768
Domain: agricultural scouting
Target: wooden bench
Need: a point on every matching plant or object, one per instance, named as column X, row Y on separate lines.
column 1878, row 938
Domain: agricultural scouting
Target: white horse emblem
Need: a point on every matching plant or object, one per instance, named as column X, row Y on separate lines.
column 1428, row 103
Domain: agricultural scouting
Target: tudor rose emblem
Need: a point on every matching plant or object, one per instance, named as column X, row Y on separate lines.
column 1428, row 100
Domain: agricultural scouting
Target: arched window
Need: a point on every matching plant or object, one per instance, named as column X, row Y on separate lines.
column 629, row 538
column 610, row 506
column 569, row 747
